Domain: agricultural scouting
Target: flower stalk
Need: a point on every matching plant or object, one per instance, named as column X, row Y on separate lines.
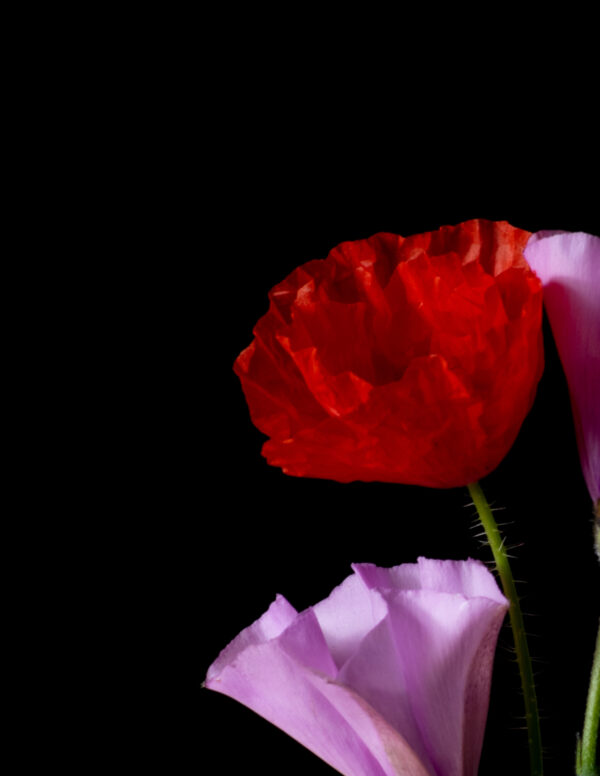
column 587, row 764
column 518, row 627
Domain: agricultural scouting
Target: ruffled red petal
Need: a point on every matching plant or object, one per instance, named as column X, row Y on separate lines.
column 411, row 360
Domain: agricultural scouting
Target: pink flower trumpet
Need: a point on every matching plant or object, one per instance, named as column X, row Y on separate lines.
column 568, row 264
column 388, row 676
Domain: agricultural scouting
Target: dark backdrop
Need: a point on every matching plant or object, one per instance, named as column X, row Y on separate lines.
column 242, row 531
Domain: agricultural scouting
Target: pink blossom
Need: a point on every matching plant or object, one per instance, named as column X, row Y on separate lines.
column 388, row 676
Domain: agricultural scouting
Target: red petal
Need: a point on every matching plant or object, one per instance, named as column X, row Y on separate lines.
column 397, row 359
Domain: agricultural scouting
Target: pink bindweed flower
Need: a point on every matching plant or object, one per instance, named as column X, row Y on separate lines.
column 568, row 264
column 388, row 676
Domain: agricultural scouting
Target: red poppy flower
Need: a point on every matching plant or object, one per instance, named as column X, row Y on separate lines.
column 411, row 360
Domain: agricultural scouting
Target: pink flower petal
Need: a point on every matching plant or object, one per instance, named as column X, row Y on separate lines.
column 273, row 622
column 568, row 264
column 444, row 634
column 288, row 681
column 470, row 577
column 388, row 676
column 347, row 615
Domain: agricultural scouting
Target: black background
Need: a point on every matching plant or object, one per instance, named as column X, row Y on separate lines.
column 242, row 531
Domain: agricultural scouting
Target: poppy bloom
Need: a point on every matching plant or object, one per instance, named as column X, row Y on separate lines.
column 411, row 360
column 569, row 265
column 388, row 676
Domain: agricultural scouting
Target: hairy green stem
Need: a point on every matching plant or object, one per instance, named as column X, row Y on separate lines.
column 518, row 627
column 587, row 764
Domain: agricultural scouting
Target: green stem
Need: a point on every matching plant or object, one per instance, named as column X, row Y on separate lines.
column 518, row 627
column 586, row 755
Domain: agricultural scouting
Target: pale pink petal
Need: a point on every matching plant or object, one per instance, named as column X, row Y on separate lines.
column 568, row 264
column 404, row 577
column 434, row 682
column 287, row 680
column 443, row 642
column 470, row 577
column 346, row 616
column 273, row 622
column 376, row 673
